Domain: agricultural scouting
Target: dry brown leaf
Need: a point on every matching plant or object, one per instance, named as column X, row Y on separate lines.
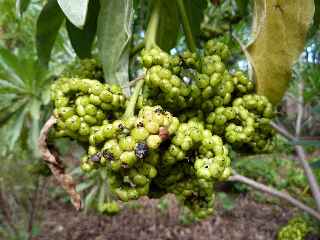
column 279, row 32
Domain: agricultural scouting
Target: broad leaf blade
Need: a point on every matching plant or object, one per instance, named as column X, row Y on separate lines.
column 114, row 33
column 279, row 33
column 195, row 12
column 169, row 24
column 21, row 6
column 48, row 25
column 81, row 40
column 75, row 11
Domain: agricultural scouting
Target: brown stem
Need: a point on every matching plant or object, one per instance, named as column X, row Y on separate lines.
column 56, row 166
column 304, row 163
column 269, row 190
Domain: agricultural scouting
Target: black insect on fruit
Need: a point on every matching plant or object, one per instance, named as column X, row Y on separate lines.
column 107, row 155
column 141, row 150
column 96, row 157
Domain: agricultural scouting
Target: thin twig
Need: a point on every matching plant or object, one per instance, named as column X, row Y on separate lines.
column 300, row 109
column 304, row 163
column 55, row 165
column 269, row 190
column 134, row 81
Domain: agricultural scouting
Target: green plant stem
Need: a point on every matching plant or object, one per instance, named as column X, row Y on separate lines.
column 153, row 24
column 186, row 26
column 133, row 99
column 136, row 49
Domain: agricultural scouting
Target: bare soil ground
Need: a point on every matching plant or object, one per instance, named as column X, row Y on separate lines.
column 249, row 220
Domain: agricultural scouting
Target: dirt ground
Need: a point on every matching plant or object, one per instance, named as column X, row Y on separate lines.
column 249, row 220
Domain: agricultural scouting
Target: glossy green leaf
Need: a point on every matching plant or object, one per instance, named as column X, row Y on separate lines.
column 75, row 11
column 21, row 6
column 81, row 40
column 48, row 25
column 195, row 13
column 279, row 31
column 114, row 34
column 169, row 24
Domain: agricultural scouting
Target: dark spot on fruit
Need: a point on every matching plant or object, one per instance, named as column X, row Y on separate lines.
column 141, row 150
column 107, row 155
column 140, row 124
column 96, row 157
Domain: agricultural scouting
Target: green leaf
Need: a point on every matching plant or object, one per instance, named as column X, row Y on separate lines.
column 15, row 127
column 316, row 19
column 195, row 13
column 279, row 31
column 84, row 185
column 102, row 195
column 242, row 6
column 114, row 34
column 89, row 198
column 227, row 202
column 48, row 25
column 81, row 40
column 12, row 67
column 34, row 131
column 169, row 24
column 75, row 11
column 21, row 6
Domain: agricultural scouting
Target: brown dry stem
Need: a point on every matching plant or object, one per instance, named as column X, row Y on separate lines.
column 56, row 166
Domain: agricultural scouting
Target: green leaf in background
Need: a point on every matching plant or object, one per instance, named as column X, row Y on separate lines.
column 21, row 6
column 48, row 25
column 226, row 200
column 114, row 34
column 82, row 39
column 316, row 19
column 242, row 6
column 279, row 32
column 12, row 67
column 90, row 198
column 75, row 11
column 195, row 13
column 316, row 164
column 168, row 28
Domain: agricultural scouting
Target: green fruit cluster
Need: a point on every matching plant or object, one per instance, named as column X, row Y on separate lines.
column 82, row 103
column 204, row 89
column 88, row 68
column 130, row 149
column 189, row 109
column 296, row 229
